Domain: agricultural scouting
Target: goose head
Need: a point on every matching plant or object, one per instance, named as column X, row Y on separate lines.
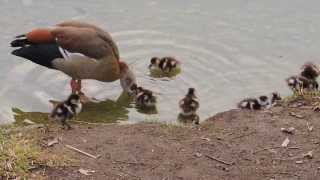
column 127, row 77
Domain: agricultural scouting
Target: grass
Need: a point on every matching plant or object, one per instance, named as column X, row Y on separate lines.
column 17, row 155
column 158, row 73
column 103, row 112
column 174, row 130
column 310, row 97
column 21, row 153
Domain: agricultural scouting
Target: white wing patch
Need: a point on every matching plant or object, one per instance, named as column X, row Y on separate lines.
column 244, row 104
column 79, row 108
column 68, row 55
column 59, row 110
column 69, row 109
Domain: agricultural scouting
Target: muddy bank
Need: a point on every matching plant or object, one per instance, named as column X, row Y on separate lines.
column 231, row 145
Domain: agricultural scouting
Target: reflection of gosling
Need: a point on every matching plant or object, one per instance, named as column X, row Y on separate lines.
column 165, row 64
column 260, row 102
column 67, row 110
column 300, row 84
column 143, row 97
column 189, row 104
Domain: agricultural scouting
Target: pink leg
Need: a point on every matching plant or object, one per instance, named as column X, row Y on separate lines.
column 76, row 89
column 75, row 86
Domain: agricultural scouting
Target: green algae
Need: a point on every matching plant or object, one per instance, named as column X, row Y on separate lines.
column 94, row 112
column 158, row 73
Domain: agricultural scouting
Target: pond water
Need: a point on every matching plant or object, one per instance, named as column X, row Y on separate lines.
column 229, row 50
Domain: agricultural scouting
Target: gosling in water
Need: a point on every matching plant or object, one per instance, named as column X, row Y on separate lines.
column 165, row 64
column 143, row 97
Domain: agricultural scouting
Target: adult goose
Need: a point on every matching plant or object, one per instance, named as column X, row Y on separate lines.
column 80, row 50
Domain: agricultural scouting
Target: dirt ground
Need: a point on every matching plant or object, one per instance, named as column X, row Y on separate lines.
column 236, row 144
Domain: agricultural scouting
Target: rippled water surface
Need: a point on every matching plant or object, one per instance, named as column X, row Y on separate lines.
column 229, row 50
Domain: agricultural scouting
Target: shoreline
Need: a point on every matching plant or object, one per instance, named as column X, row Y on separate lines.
column 235, row 144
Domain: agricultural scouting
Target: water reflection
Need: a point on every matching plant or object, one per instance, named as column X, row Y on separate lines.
column 107, row 111
column 128, row 102
column 158, row 73
column 195, row 119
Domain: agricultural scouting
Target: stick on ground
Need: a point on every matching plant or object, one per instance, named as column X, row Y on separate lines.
column 219, row 160
column 82, row 152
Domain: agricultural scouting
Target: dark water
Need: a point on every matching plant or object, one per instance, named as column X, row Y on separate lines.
column 229, row 50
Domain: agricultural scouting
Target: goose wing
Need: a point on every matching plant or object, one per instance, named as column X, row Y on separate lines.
column 85, row 38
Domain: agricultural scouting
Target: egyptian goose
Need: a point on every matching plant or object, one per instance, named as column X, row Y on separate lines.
column 80, row 50
column 165, row 64
column 189, row 104
column 260, row 102
column 67, row 110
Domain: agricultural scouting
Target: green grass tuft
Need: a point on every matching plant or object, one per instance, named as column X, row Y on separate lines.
column 16, row 155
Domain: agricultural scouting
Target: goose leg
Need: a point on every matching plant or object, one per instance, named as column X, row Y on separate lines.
column 76, row 89
column 75, row 86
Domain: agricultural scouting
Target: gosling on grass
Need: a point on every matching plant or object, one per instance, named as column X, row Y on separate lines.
column 306, row 81
column 300, row 84
column 260, row 102
column 189, row 104
column 310, row 71
column 66, row 110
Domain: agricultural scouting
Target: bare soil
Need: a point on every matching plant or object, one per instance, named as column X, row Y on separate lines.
column 236, row 144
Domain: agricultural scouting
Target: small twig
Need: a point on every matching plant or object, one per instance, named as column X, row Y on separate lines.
column 219, row 160
column 265, row 149
column 289, row 159
column 131, row 163
column 154, row 167
column 296, row 115
column 283, row 173
column 90, row 123
column 293, row 147
column 82, row 152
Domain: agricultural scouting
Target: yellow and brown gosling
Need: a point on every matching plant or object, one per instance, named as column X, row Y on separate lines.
column 165, row 64
column 135, row 90
column 189, row 104
column 143, row 97
column 310, row 71
column 260, row 102
column 66, row 110
column 300, row 84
